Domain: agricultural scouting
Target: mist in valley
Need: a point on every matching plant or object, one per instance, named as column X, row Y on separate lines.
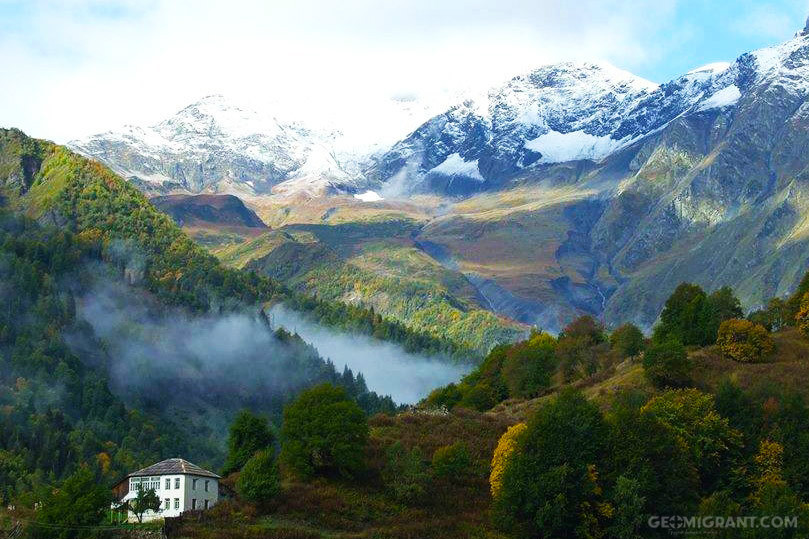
column 387, row 368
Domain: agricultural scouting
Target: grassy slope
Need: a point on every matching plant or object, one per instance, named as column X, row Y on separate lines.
column 53, row 184
column 375, row 264
column 363, row 509
column 327, row 508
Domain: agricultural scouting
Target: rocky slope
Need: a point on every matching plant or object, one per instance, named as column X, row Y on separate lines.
column 574, row 188
column 715, row 193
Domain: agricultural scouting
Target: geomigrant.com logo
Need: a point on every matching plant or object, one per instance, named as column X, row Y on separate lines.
column 685, row 523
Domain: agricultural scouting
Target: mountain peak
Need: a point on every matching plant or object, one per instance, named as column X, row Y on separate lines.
column 574, row 72
column 805, row 31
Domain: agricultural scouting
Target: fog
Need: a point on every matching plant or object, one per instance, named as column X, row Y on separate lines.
column 387, row 368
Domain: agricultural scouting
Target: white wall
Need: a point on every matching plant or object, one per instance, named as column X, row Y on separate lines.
column 196, row 491
column 182, row 496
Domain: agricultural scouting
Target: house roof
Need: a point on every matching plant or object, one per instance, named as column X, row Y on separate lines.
column 173, row 467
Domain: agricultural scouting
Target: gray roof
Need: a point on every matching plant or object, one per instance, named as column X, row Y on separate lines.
column 173, row 467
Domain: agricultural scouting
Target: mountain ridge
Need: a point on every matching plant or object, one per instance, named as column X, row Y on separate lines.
column 580, row 188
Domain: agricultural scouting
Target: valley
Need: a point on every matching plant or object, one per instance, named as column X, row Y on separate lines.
column 563, row 302
column 575, row 189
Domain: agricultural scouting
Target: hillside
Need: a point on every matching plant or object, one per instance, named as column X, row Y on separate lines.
column 378, row 265
column 696, row 449
column 211, row 220
column 579, row 188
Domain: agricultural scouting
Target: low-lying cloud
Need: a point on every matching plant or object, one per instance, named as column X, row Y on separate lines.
column 387, row 368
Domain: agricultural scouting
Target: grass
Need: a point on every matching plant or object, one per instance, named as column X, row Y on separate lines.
column 377, row 265
column 332, row 508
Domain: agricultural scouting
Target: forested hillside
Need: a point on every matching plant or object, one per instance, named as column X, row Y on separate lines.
column 589, row 434
column 54, row 185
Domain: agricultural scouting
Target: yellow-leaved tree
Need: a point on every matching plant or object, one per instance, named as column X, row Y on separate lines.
column 505, row 448
column 802, row 318
column 744, row 341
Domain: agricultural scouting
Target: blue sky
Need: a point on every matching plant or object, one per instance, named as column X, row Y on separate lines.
column 720, row 30
column 75, row 67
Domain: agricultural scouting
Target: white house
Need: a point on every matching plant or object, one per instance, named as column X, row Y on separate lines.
column 180, row 485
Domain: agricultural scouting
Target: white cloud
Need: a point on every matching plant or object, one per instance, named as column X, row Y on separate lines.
column 766, row 20
column 75, row 67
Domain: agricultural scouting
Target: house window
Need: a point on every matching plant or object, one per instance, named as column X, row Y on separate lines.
column 193, row 503
column 194, row 484
column 176, row 482
column 134, row 483
column 206, row 504
column 168, row 483
column 176, row 503
column 167, row 504
column 206, row 485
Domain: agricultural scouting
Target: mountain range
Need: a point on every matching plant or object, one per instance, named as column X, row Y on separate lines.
column 575, row 188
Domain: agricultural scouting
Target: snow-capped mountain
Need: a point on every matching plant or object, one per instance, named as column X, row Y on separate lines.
column 557, row 113
column 216, row 146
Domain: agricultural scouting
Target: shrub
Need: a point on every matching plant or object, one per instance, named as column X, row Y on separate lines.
column 627, row 340
column 505, row 447
column 692, row 415
column 452, row 461
column 249, row 434
column 258, row 482
column 744, row 341
column 480, row 397
column 802, row 318
column 324, row 431
column 666, row 364
column 550, row 483
column 447, row 396
column 80, row 501
column 529, row 365
column 693, row 317
column 405, row 473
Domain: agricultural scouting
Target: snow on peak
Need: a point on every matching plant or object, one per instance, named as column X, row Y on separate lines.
column 566, row 74
column 723, row 98
column 712, row 68
column 788, row 62
column 558, row 147
column 455, row 165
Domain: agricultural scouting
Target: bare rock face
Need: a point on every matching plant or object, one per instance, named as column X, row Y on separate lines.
column 703, row 178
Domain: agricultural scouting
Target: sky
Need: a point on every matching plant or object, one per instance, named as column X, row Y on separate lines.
column 71, row 68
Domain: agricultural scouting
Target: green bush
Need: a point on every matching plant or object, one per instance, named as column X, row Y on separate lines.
column 452, row 461
column 79, row 502
column 693, row 317
column 627, row 340
column 692, row 415
column 249, row 434
column 529, row 365
column 405, row 473
column 579, row 346
column 666, row 364
column 324, row 432
column 259, row 482
column 550, row 483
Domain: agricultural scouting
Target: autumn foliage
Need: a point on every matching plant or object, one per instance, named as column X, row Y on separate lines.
column 505, row 448
column 744, row 341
